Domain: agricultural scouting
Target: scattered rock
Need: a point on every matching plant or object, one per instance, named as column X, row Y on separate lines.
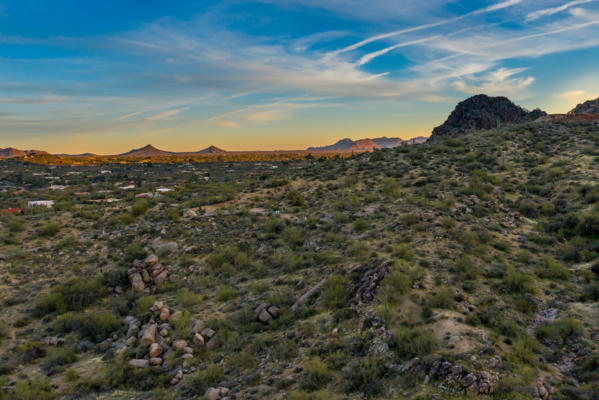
column 155, row 350
column 214, row 343
column 155, row 361
column 149, row 335
column 198, row 339
column 265, row 313
column 179, row 344
column 139, row 363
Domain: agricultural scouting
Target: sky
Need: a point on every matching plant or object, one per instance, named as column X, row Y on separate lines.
column 107, row 76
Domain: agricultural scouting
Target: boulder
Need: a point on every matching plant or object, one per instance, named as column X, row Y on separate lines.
column 155, row 350
column 179, row 344
column 145, row 276
column 149, row 335
column 160, row 278
column 212, row 394
column 155, row 361
column 165, row 313
column 197, row 325
column 214, row 343
column 137, row 282
column 175, row 316
column 198, row 339
column 139, row 363
column 151, row 260
column 208, row 333
column 264, row 317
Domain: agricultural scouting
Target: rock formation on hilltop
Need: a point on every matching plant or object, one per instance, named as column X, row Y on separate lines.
column 587, row 108
column 11, row 152
column 484, row 112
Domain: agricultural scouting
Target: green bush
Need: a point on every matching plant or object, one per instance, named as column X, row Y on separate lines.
column 414, row 342
column 74, row 295
column 50, row 229
column 551, row 269
column 139, row 207
column 226, row 293
column 336, row 291
column 443, row 298
column 295, row 198
column 188, row 298
column 316, row 374
column 34, row 389
column 58, row 357
column 524, row 350
column 200, row 381
column 364, row 375
column 93, row 325
column 4, row 331
column 518, row 282
column 564, row 329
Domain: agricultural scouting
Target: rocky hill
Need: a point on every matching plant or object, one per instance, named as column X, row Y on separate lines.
column 484, row 112
column 590, row 107
column 361, row 144
column 11, row 152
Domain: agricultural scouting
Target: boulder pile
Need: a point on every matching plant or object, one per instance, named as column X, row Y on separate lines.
column 265, row 313
column 148, row 274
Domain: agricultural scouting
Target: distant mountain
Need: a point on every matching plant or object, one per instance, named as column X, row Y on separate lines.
column 211, row 150
column 76, row 155
column 361, row 144
column 146, row 151
column 11, row 152
column 388, row 143
column 590, row 107
column 484, row 112
column 417, row 140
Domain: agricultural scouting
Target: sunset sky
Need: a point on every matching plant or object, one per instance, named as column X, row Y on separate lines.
column 108, row 76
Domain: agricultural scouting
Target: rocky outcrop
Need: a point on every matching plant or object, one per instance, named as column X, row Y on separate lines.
column 265, row 313
column 484, row 112
column 148, row 274
column 440, row 369
column 368, row 278
column 590, row 107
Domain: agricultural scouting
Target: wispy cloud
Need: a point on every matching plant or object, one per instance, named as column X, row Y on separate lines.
column 51, row 99
column 166, row 114
column 126, row 116
column 499, row 82
column 371, row 56
column 554, row 10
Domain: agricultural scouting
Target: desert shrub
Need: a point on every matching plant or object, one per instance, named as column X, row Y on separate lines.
column 315, row 375
column 30, row 350
column 551, row 269
column 336, row 291
column 360, row 224
column 396, row 284
column 413, row 342
column 4, row 331
column 564, row 329
column 188, row 298
column 226, row 293
column 93, row 325
column 524, row 350
column 139, row 207
column 58, row 357
column 466, row 268
column 15, row 225
column 293, row 235
column 127, row 219
column 200, row 381
column 33, row 389
column 295, row 198
column 403, row 251
column 442, row 298
column 134, row 251
column 518, row 282
column 74, row 295
column 364, row 375
column 49, row 229
column 144, row 304
column 409, row 219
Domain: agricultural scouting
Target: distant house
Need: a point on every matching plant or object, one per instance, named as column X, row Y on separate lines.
column 144, row 196
column 163, row 190
column 11, row 211
column 105, row 171
column 57, row 187
column 128, row 187
column 41, row 203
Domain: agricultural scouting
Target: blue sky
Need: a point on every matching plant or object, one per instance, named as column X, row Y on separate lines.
column 106, row 76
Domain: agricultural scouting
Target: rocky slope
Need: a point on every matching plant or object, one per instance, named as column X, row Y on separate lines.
column 590, row 107
column 484, row 112
column 11, row 152
column 361, row 144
